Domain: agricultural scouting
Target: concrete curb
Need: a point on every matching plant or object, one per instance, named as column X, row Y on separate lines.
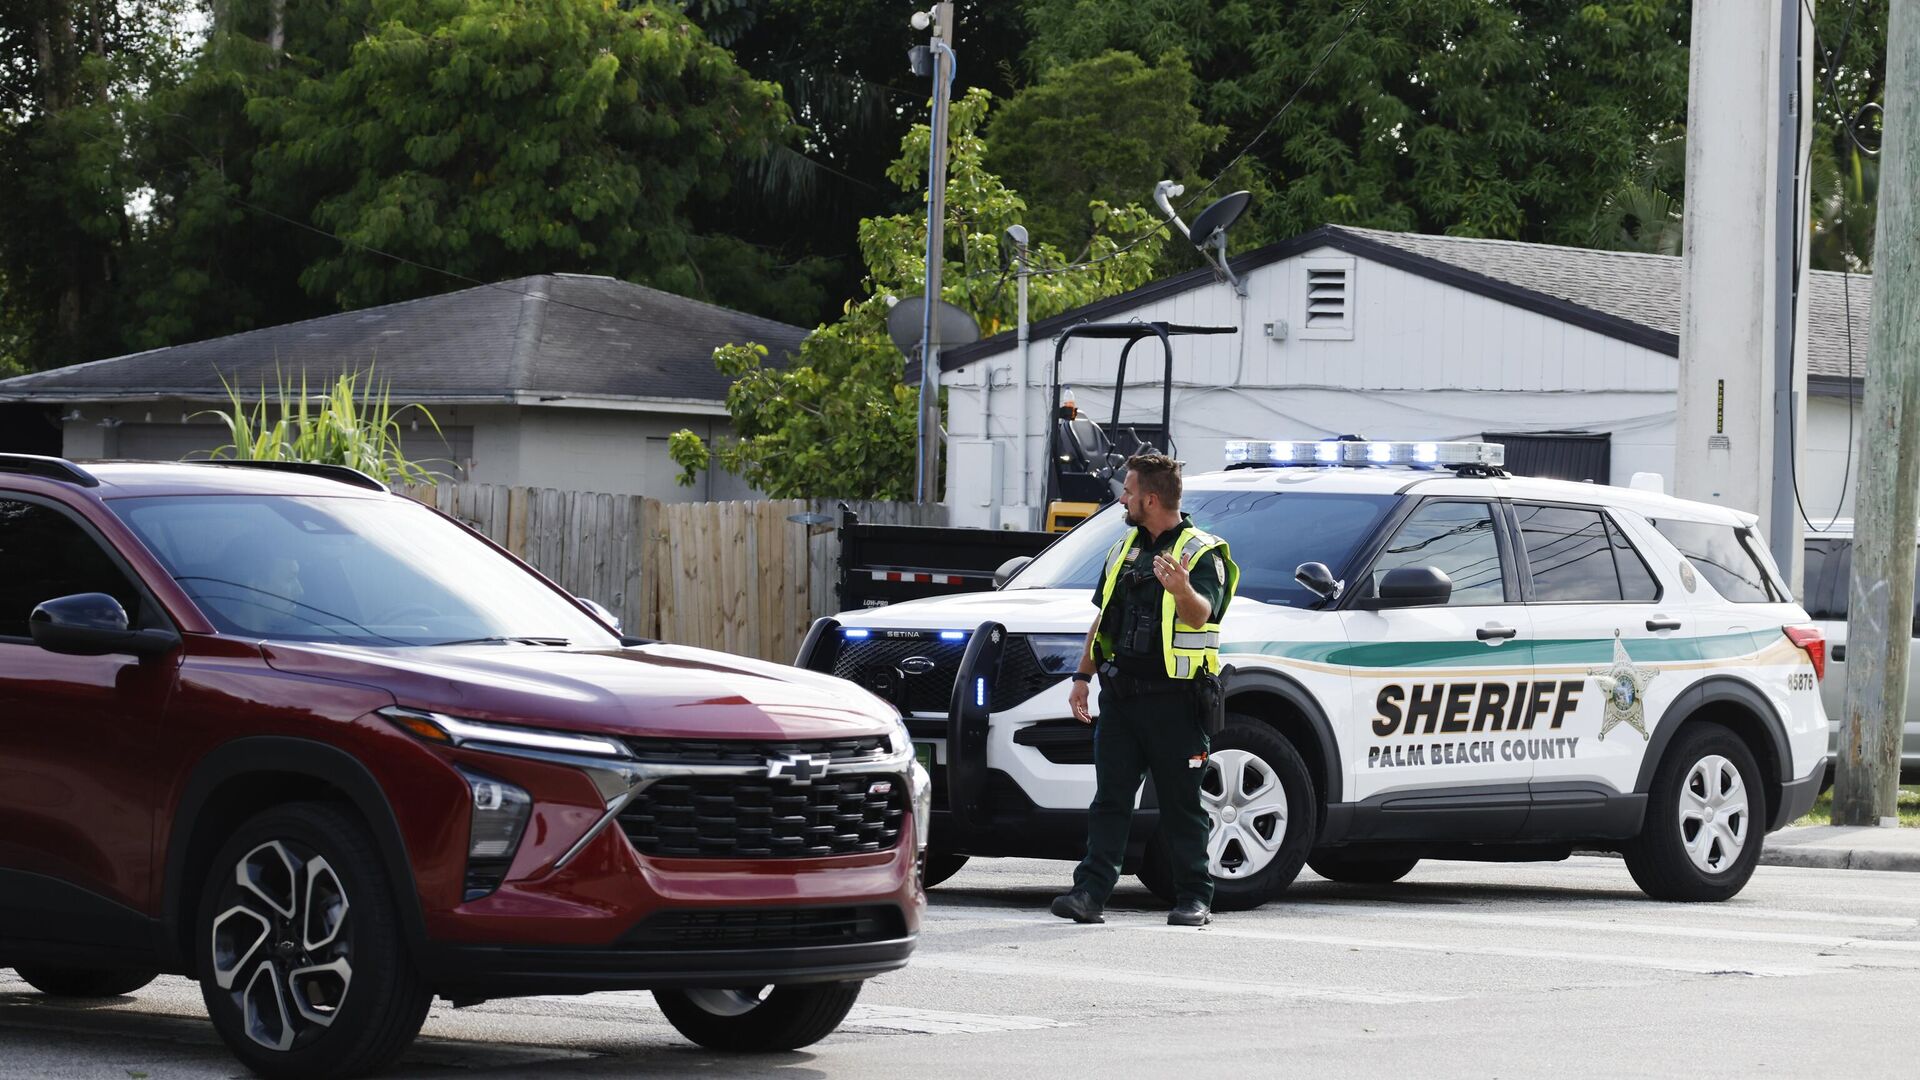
column 1821, row 857
column 1831, row 847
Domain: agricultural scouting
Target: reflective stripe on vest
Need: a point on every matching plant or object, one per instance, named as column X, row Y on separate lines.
column 1186, row 649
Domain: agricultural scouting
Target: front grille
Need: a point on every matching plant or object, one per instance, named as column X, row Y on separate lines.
column 874, row 664
column 755, row 751
column 766, row 928
column 728, row 817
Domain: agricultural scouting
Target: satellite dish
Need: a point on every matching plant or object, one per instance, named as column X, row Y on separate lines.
column 952, row 326
column 1219, row 217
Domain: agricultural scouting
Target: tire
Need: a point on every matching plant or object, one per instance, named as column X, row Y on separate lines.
column 1354, row 869
column 759, row 1021
column 1252, row 866
column 1707, row 783
column 86, row 982
column 366, row 1001
column 940, row 866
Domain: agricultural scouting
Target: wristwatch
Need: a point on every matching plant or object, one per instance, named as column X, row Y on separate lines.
column 1082, row 676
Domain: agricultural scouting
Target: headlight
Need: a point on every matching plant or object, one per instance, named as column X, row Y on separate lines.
column 605, row 761
column 500, row 812
column 454, row 731
column 1058, row 653
column 900, row 740
column 922, row 805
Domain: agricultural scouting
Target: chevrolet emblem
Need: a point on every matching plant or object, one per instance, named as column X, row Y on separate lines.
column 799, row 768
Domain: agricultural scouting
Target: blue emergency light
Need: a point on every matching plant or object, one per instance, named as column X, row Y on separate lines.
column 1361, row 453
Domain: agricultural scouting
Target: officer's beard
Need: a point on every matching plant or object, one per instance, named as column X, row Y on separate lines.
column 1131, row 518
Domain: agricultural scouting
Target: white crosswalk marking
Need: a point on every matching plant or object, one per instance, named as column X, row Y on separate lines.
column 1029, row 968
column 935, row 1022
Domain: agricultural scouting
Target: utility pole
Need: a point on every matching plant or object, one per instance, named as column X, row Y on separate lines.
column 940, row 47
column 1022, row 372
column 1880, row 596
column 1739, row 390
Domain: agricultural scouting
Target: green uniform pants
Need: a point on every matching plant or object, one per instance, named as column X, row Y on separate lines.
column 1134, row 735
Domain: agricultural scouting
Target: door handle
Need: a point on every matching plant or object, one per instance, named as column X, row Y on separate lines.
column 1495, row 633
column 1663, row 624
column 1839, row 652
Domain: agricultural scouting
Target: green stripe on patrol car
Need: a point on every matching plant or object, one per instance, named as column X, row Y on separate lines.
column 1570, row 651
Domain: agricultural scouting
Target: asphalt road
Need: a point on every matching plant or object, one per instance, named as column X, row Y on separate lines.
column 1461, row 970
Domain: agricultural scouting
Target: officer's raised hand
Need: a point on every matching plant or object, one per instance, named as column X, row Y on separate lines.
column 1173, row 576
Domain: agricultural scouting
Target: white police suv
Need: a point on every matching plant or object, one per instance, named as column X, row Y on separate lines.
column 1431, row 659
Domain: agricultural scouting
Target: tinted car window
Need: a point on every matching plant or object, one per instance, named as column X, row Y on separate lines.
column 1457, row 538
column 377, row 572
column 1720, row 554
column 45, row 554
column 1818, row 593
column 1637, row 583
column 1569, row 554
column 1270, row 532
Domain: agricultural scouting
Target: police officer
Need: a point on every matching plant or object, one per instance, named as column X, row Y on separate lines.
column 1154, row 644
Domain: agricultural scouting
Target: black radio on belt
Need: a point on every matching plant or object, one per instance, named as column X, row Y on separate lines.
column 1139, row 631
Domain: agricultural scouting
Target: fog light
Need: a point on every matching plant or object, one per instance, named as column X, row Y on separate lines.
column 500, row 812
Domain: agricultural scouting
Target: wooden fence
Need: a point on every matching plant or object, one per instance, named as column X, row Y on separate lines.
column 742, row 577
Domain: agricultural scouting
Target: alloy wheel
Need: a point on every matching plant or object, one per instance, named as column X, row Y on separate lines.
column 282, row 946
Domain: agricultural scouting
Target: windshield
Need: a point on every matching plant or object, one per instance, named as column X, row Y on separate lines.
column 1271, row 533
column 379, row 572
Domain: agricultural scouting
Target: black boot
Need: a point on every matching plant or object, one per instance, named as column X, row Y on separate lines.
column 1077, row 906
column 1189, row 913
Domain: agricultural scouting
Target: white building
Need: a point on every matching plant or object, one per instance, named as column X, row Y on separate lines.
column 561, row 381
column 1394, row 335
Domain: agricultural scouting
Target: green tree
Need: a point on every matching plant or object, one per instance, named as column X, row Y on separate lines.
column 838, row 420
column 1475, row 117
column 1107, row 128
column 842, row 68
column 71, row 77
column 493, row 138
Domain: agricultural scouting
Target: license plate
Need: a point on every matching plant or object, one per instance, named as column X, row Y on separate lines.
column 923, row 753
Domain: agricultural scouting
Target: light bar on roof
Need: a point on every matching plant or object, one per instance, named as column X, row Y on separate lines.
column 1364, row 452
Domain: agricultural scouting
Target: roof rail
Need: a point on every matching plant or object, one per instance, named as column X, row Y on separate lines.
column 341, row 473
column 51, row 468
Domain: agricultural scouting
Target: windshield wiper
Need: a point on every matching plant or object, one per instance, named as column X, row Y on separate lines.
column 521, row 640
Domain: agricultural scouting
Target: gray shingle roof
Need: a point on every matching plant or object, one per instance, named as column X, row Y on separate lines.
column 1643, row 289
column 550, row 335
column 1627, row 295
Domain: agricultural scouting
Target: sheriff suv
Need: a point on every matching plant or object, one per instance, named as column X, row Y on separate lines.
column 332, row 754
column 1431, row 659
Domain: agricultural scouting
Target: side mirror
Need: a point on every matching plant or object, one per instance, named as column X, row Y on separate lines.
column 93, row 624
column 1411, row 586
column 600, row 612
column 1318, row 580
column 1009, row 568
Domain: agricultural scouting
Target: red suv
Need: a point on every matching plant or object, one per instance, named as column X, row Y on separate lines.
column 333, row 754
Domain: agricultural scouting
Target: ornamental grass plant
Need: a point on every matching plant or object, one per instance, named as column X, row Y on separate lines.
column 354, row 423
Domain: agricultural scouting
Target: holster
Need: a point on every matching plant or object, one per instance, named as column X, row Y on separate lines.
column 1211, row 691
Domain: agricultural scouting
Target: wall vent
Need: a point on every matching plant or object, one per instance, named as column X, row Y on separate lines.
column 1329, row 299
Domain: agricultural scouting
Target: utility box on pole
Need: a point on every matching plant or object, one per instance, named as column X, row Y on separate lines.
column 1739, row 387
column 1880, row 596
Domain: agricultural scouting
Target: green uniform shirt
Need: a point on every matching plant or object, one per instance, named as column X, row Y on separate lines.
column 1139, row 590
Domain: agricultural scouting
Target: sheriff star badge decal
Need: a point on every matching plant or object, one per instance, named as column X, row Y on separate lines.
column 1625, row 686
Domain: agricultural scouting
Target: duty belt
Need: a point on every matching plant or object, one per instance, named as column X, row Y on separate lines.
column 1121, row 681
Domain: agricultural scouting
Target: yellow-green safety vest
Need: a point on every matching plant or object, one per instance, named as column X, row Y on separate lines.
column 1188, row 649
